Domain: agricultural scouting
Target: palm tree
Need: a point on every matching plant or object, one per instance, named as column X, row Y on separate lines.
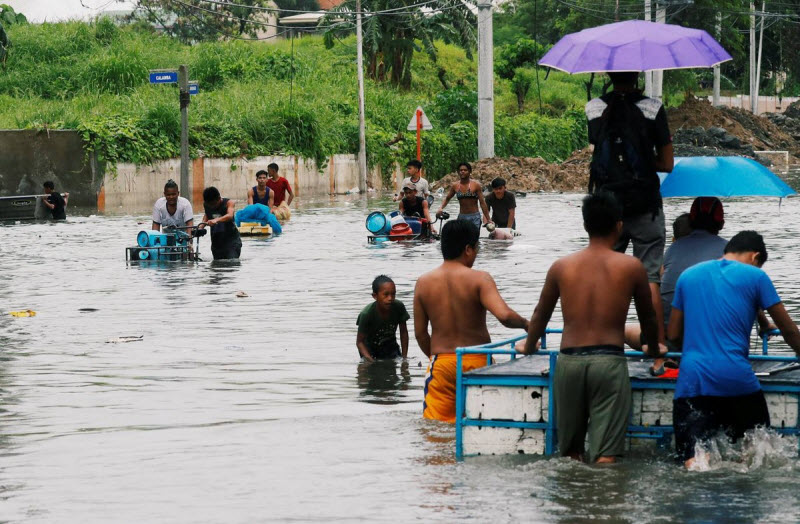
column 395, row 29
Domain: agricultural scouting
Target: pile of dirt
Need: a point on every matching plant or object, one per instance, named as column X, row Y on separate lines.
column 530, row 174
column 699, row 129
column 754, row 131
column 714, row 141
column 793, row 111
column 788, row 124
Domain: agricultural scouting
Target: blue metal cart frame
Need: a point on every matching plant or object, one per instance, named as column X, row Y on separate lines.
column 506, row 347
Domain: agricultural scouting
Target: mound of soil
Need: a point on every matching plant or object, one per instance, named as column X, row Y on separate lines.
column 698, row 128
column 530, row 174
column 793, row 111
column 755, row 131
column 789, row 125
column 713, row 141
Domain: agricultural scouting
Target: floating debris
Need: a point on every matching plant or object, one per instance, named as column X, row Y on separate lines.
column 241, row 294
column 88, row 310
column 23, row 313
column 121, row 340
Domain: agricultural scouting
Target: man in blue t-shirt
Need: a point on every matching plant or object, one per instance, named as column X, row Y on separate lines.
column 715, row 305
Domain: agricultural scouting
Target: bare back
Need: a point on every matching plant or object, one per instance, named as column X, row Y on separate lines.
column 596, row 287
column 455, row 298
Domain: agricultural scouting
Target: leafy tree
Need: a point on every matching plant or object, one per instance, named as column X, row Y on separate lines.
column 521, row 83
column 392, row 37
column 196, row 20
column 8, row 17
column 524, row 52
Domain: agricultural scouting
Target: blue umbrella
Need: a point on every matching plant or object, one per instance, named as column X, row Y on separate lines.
column 722, row 176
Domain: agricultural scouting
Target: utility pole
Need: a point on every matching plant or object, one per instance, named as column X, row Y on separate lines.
column 485, row 81
column 715, row 99
column 183, row 83
column 760, row 48
column 362, row 135
column 648, row 75
column 753, row 101
column 658, row 76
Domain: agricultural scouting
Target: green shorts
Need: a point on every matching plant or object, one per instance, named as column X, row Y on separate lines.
column 592, row 394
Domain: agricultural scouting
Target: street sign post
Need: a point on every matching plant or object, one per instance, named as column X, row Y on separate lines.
column 419, row 122
column 163, row 77
column 181, row 77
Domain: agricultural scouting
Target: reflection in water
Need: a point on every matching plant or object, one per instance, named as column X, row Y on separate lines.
column 381, row 380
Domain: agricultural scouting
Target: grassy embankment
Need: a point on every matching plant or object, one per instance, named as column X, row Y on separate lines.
column 93, row 78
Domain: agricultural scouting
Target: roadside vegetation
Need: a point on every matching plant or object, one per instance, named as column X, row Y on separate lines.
column 284, row 97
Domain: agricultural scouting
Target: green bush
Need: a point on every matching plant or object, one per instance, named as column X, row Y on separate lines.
column 264, row 99
column 553, row 139
column 455, row 105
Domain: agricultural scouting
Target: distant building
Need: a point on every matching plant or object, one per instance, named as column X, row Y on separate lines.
column 325, row 5
column 302, row 23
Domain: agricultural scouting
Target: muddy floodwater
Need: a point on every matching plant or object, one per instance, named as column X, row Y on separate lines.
column 253, row 409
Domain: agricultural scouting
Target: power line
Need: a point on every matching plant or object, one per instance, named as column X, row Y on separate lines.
column 301, row 11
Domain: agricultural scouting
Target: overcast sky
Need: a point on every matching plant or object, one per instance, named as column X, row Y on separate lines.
column 55, row 10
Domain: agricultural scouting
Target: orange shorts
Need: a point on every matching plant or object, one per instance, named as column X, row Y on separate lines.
column 440, row 384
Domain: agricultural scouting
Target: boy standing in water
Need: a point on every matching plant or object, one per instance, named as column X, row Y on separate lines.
column 592, row 390
column 713, row 311
column 414, row 170
column 261, row 193
column 225, row 240
column 503, row 204
column 454, row 299
column 279, row 186
column 54, row 201
column 378, row 322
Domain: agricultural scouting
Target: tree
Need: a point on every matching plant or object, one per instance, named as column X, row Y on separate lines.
column 197, row 20
column 521, row 83
column 395, row 29
column 8, row 17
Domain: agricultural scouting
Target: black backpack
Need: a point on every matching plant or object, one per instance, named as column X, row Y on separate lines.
column 624, row 159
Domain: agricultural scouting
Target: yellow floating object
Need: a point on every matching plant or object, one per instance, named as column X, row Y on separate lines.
column 282, row 212
column 254, row 229
column 23, row 313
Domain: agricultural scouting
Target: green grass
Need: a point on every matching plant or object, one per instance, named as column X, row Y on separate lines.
column 259, row 98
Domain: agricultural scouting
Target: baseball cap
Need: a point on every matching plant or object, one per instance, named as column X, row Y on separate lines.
column 409, row 185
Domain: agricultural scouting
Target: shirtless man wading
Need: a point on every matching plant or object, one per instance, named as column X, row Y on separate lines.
column 454, row 298
column 592, row 390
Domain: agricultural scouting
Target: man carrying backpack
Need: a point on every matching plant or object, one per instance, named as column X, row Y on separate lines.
column 632, row 144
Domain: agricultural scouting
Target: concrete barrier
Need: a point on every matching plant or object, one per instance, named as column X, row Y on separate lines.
column 30, row 157
column 138, row 186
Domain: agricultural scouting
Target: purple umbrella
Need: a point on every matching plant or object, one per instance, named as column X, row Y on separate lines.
column 634, row 45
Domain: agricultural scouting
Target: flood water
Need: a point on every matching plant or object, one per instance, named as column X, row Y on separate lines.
column 256, row 409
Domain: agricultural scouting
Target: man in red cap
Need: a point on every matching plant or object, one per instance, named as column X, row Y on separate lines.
column 707, row 218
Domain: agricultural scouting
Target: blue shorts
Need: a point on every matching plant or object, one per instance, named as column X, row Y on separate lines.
column 475, row 218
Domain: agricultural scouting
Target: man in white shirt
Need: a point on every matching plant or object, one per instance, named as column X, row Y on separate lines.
column 172, row 210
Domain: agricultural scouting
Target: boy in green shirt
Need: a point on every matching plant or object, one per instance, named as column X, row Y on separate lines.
column 377, row 323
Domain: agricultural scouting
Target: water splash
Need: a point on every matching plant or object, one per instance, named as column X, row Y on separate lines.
column 761, row 448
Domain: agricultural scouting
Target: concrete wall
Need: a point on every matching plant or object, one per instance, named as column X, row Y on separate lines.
column 766, row 104
column 137, row 187
column 29, row 157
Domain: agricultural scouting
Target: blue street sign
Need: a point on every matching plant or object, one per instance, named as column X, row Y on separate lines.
column 194, row 89
column 164, row 77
